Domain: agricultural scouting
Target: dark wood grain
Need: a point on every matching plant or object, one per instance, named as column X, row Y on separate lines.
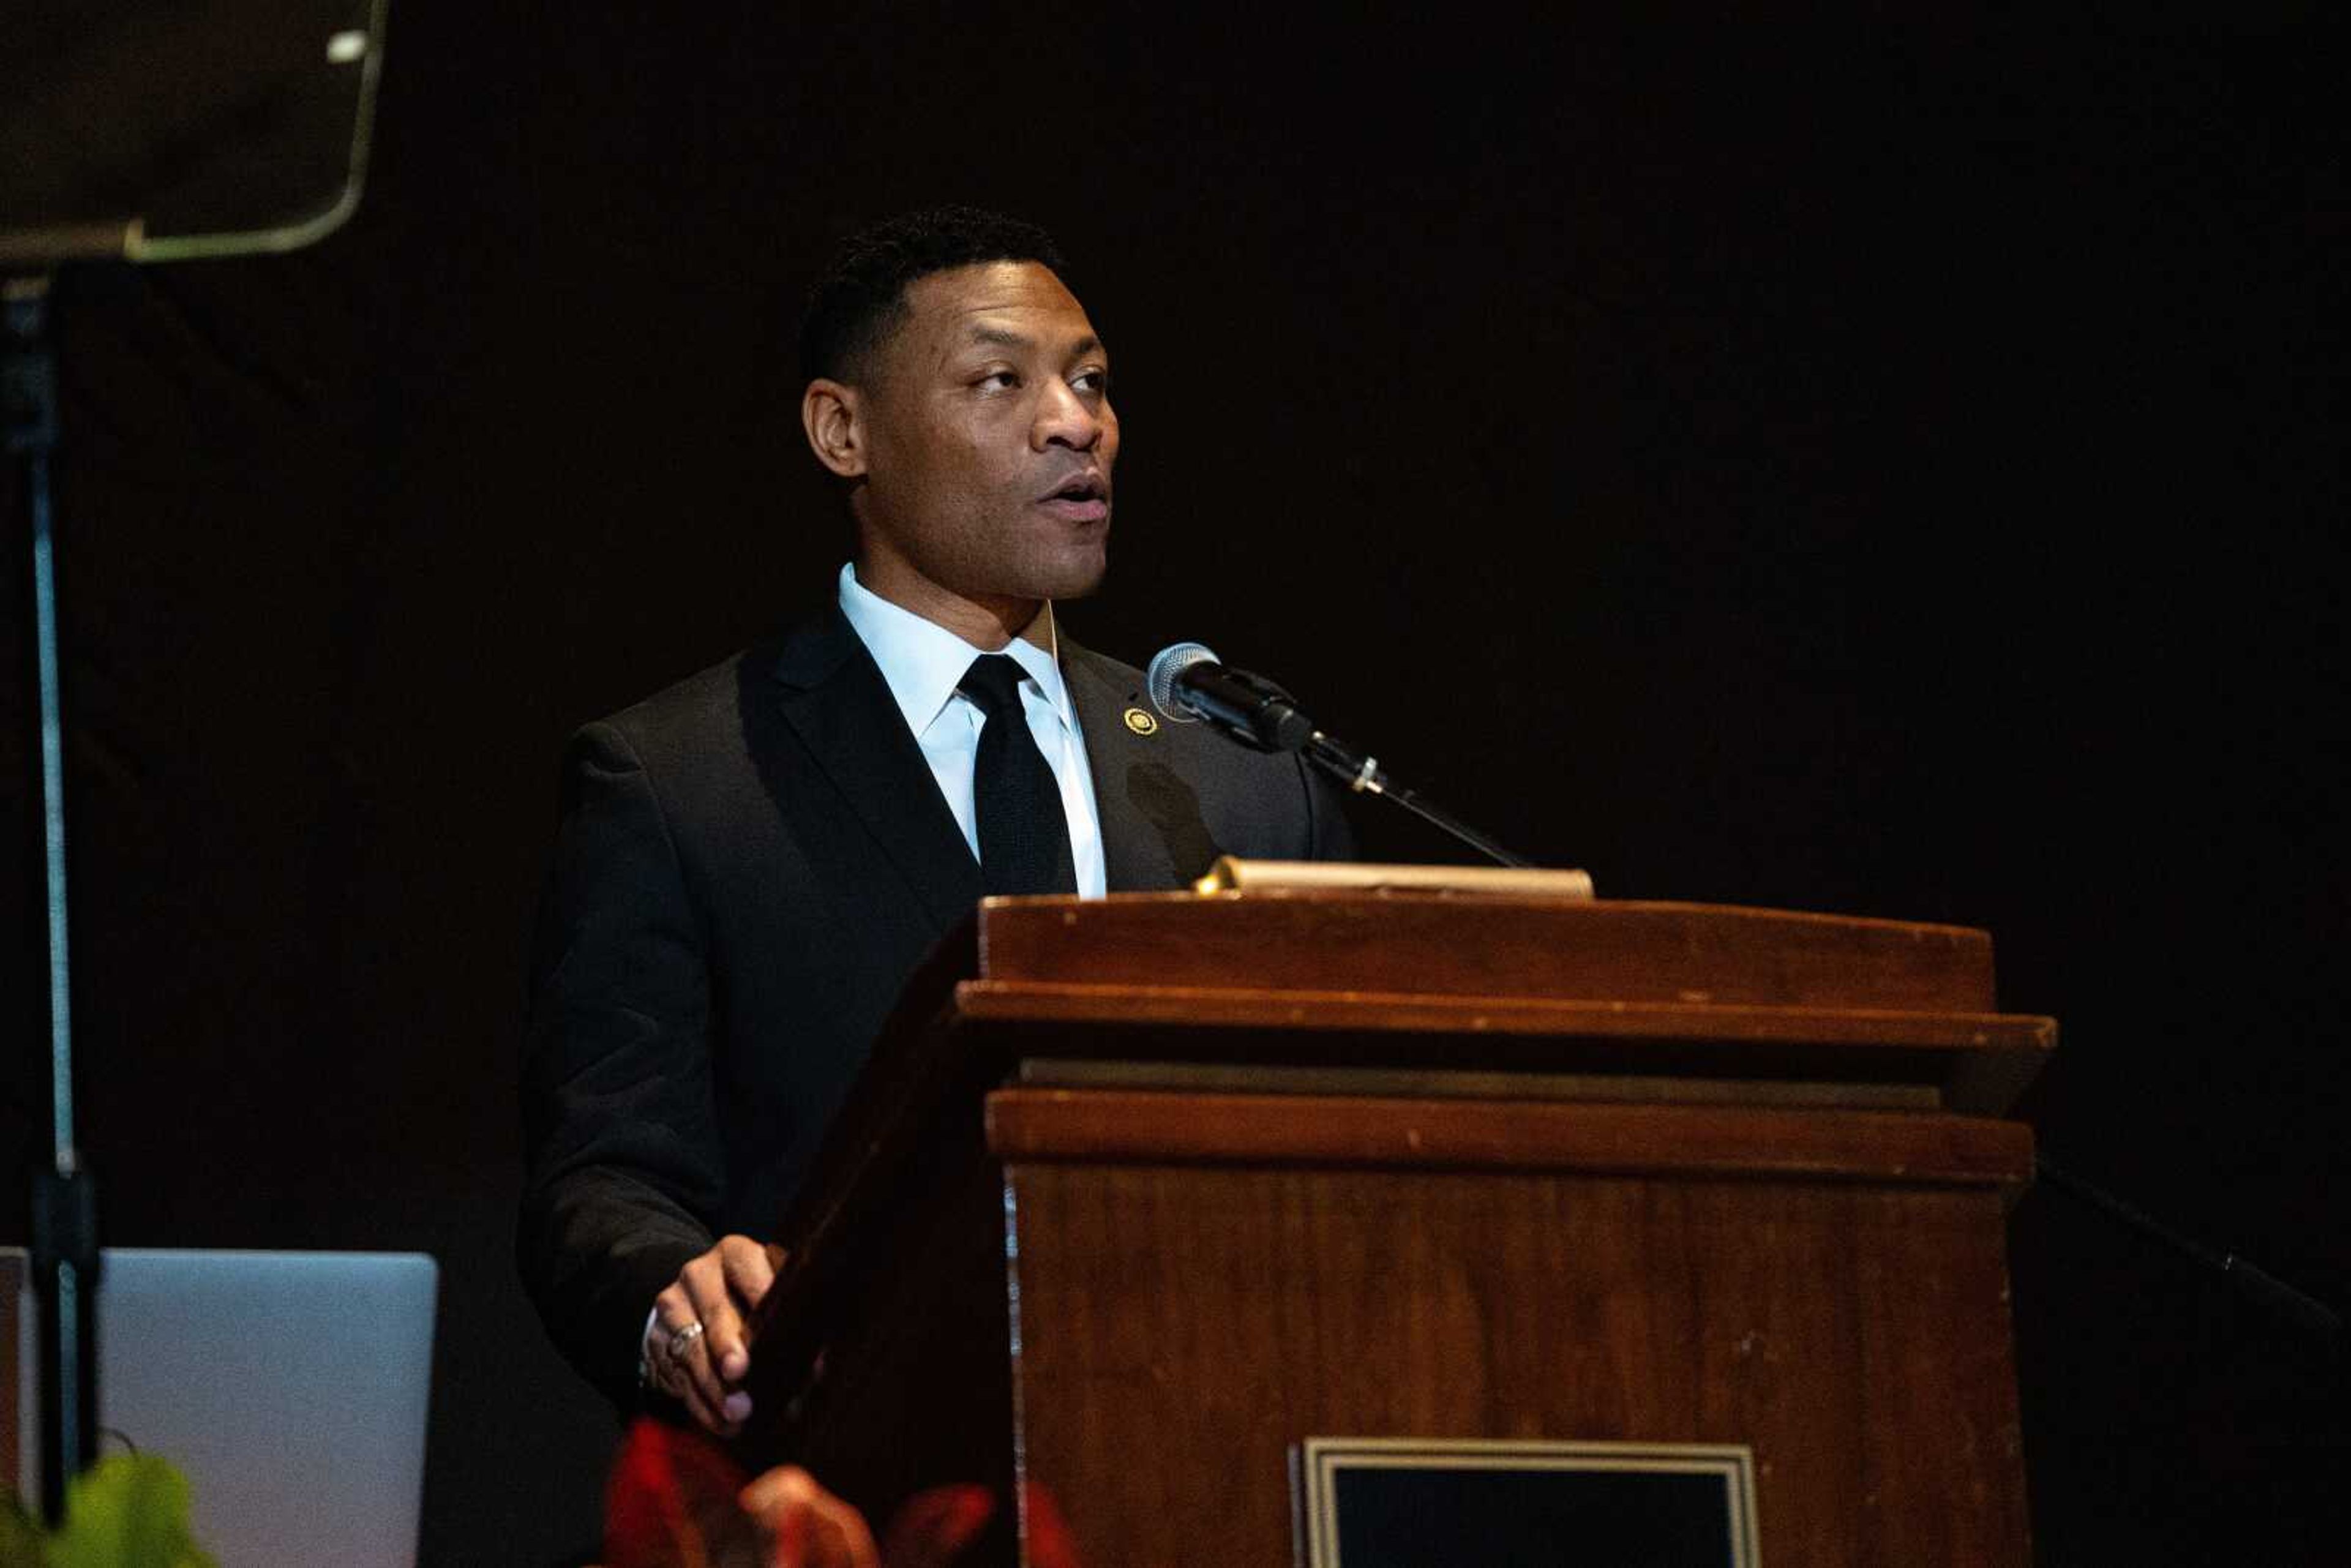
column 1526, row 948
column 1975, row 1061
column 1399, row 1011
column 912, row 1338
column 1033, row 1125
column 1182, row 1326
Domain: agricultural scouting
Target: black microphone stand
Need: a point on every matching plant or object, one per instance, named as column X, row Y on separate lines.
column 1362, row 774
column 260, row 151
column 2322, row 1323
column 65, row 1250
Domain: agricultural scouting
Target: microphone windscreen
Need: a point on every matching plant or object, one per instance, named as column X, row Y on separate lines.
column 1159, row 680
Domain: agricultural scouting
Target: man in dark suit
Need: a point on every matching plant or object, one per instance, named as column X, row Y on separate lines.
column 752, row 863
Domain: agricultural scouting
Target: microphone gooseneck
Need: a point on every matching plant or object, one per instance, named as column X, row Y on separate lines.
column 1187, row 683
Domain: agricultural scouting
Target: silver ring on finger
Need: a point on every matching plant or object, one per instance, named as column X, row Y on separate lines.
column 681, row 1340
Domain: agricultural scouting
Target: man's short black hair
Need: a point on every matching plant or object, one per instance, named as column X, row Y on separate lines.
column 861, row 297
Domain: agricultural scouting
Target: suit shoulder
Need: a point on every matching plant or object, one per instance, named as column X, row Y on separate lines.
column 688, row 738
column 684, row 712
column 1108, row 671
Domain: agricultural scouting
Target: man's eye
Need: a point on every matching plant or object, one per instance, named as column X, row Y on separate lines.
column 1096, row 381
column 998, row 380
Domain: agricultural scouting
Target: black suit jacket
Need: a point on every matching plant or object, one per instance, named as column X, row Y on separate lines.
column 750, row 865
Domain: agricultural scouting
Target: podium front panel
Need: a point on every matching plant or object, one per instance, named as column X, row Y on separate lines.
column 1183, row 1319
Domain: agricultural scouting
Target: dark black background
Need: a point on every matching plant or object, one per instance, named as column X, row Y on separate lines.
column 1880, row 467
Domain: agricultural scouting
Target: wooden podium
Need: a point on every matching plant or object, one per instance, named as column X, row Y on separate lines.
column 1141, row 1195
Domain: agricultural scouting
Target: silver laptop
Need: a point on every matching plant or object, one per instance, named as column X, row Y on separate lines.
column 290, row 1387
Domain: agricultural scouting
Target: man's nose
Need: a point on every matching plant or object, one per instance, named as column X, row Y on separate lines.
column 1065, row 419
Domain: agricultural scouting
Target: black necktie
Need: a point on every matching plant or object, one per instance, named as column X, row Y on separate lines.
column 1024, row 838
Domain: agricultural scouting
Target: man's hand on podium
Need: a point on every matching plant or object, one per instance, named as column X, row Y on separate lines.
column 697, row 1344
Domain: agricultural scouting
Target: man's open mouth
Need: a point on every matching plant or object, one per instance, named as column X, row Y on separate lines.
column 1082, row 498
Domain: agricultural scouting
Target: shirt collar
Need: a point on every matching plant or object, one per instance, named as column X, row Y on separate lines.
column 922, row 661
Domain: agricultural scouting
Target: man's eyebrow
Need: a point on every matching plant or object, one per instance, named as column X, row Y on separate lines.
column 1004, row 338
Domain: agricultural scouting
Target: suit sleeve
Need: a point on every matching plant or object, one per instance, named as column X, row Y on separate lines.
column 623, row 1162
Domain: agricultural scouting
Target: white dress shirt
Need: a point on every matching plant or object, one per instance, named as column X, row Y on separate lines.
column 922, row 661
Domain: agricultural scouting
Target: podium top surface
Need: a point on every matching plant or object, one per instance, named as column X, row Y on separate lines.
column 1396, row 980
column 1495, row 947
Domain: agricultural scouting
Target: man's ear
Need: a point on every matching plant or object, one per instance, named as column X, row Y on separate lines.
column 835, row 422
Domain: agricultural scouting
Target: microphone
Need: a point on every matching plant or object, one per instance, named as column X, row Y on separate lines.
column 1187, row 683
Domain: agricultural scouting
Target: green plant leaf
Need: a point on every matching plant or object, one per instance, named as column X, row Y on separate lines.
column 20, row 1538
column 128, row 1510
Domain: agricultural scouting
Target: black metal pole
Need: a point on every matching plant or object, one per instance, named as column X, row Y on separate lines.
column 2321, row 1322
column 65, row 1218
column 1363, row 775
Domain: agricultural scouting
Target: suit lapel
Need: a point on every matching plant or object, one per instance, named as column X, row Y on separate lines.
column 833, row 696
column 1134, row 849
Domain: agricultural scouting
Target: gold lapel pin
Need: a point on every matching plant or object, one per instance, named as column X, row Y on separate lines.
column 1141, row 722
